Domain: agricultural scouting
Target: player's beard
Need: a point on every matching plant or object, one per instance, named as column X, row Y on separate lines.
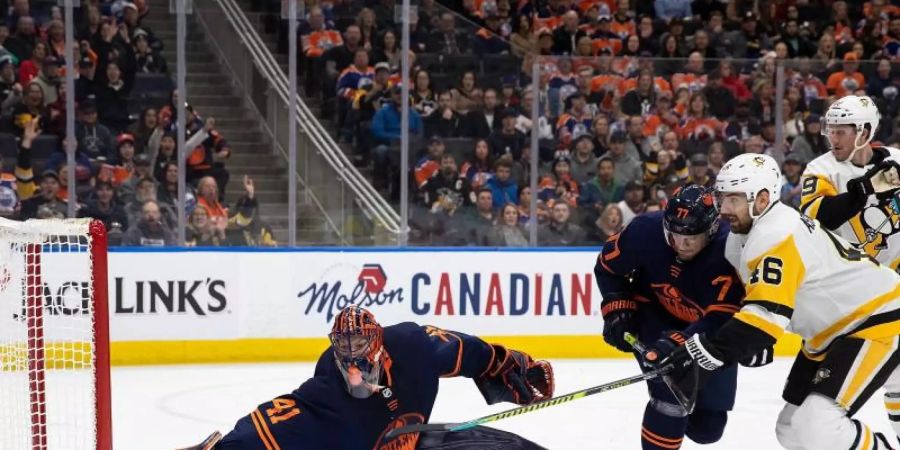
column 737, row 226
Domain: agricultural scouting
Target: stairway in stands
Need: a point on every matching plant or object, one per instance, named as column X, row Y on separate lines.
column 211, row 93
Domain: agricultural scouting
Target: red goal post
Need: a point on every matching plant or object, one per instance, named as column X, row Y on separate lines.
column 54, row 335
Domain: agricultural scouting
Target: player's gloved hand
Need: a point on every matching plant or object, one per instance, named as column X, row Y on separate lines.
column 515, row 377
column 882, row 177
column 761, row 358
column 696, row 354
column 618, row 319
column 668, row 341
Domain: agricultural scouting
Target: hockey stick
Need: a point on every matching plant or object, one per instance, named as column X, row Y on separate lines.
column 687, row 401
column 529, row 408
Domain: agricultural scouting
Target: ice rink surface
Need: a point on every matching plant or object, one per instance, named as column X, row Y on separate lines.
column 166, row 407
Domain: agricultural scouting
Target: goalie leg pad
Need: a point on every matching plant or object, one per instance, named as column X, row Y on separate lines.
column 705, row 426
column 663, row 427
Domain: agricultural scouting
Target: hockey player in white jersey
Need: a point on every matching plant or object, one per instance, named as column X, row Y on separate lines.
column 852, row 189
column 802, row 278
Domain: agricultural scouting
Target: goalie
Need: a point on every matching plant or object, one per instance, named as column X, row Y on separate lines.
column 373, row 380
column 852, row 190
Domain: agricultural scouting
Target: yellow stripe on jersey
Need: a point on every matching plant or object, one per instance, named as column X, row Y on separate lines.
column 865, row 310
column 776, row 274
column 814, row 187
column 875, row 355
column 880, row 331
column 770, row 328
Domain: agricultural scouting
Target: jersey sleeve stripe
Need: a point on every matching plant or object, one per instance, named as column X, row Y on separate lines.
column 763, row 324
column 811, row 209
column 459, row 356
column 821, row 187
column 864, row 310
column 723, row 308
column 774, row 308
column 264, row 435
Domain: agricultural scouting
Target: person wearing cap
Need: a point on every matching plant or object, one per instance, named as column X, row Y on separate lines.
column 489, row 40
column 48, row 79
column 105, row 206
column 369, row 99
column 48, row 195
column 507, row 140
column 811, row 143
column 634, row 202
column 584, row 162
column 698, row 171
column 385, row 129
column 10, row 89
column 749, row 42
column 791, row 186
column 141, row 168
column 627, row 167
column 848, row 80
column 147, row 59
column 84, row 83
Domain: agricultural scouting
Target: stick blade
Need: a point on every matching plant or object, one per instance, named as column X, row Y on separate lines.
column 419, row 428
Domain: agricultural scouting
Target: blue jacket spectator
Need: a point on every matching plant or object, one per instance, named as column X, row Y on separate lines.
column 503, row 189
column 669, row 9
column 386, row 122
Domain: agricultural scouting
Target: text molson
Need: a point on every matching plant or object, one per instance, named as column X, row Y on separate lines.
column 171, row 296
column 71, row 298
column 465, row 294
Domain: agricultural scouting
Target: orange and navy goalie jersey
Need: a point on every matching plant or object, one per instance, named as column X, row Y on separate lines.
column 321, row 415
column 691, row 296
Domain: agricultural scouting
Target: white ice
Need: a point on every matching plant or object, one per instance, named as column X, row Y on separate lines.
column 166, row 407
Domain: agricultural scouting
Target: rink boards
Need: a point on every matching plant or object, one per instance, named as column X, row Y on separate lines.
column 200, row 305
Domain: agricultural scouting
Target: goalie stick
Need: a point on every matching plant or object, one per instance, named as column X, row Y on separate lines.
column 530, row 408
column 687, row 400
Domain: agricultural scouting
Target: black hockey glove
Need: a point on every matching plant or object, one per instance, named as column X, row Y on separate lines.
column 761, row 358
column 697, row 354
column 618, row 319
column 668, row 341
column 515, row 377
column 877, row 180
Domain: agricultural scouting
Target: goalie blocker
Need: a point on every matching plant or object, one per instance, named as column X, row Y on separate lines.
column 373, row 380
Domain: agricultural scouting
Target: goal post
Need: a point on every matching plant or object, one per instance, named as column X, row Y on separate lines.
column 54, row 335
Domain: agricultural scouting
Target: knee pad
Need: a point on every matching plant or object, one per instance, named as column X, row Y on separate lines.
column 706, row 426
column 821, row 423
column 787, row 437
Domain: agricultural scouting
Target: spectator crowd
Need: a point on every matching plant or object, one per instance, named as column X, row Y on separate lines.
column 126, row 170
column 637, row 98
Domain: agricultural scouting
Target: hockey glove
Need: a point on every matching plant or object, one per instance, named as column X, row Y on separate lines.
column 696, row 354
column 761, row 358
column 618, row 319
column 663, row 347
column 514, row 377
column 882, row 177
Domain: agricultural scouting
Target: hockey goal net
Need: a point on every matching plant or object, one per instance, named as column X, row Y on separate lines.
column 54, row 338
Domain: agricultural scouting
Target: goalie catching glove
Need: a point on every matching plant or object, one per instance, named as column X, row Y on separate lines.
column 514, row 376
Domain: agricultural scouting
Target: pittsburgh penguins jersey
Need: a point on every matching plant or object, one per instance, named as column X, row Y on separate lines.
column 802, row 278
column 873, row 222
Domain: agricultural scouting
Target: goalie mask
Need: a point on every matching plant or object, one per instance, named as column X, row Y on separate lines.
column 357, row 343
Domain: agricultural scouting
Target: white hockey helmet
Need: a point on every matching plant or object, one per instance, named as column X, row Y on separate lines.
column 855, row 110
column 750, row 174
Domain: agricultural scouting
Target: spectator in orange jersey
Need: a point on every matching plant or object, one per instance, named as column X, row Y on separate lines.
column 319, row 39
column 847, row 80
column 622, row 23
column 429, row 164
column 692, row 76
column 698, row 125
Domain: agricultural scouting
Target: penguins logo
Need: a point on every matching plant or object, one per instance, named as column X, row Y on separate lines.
column 879, row 222
column 759, row 161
